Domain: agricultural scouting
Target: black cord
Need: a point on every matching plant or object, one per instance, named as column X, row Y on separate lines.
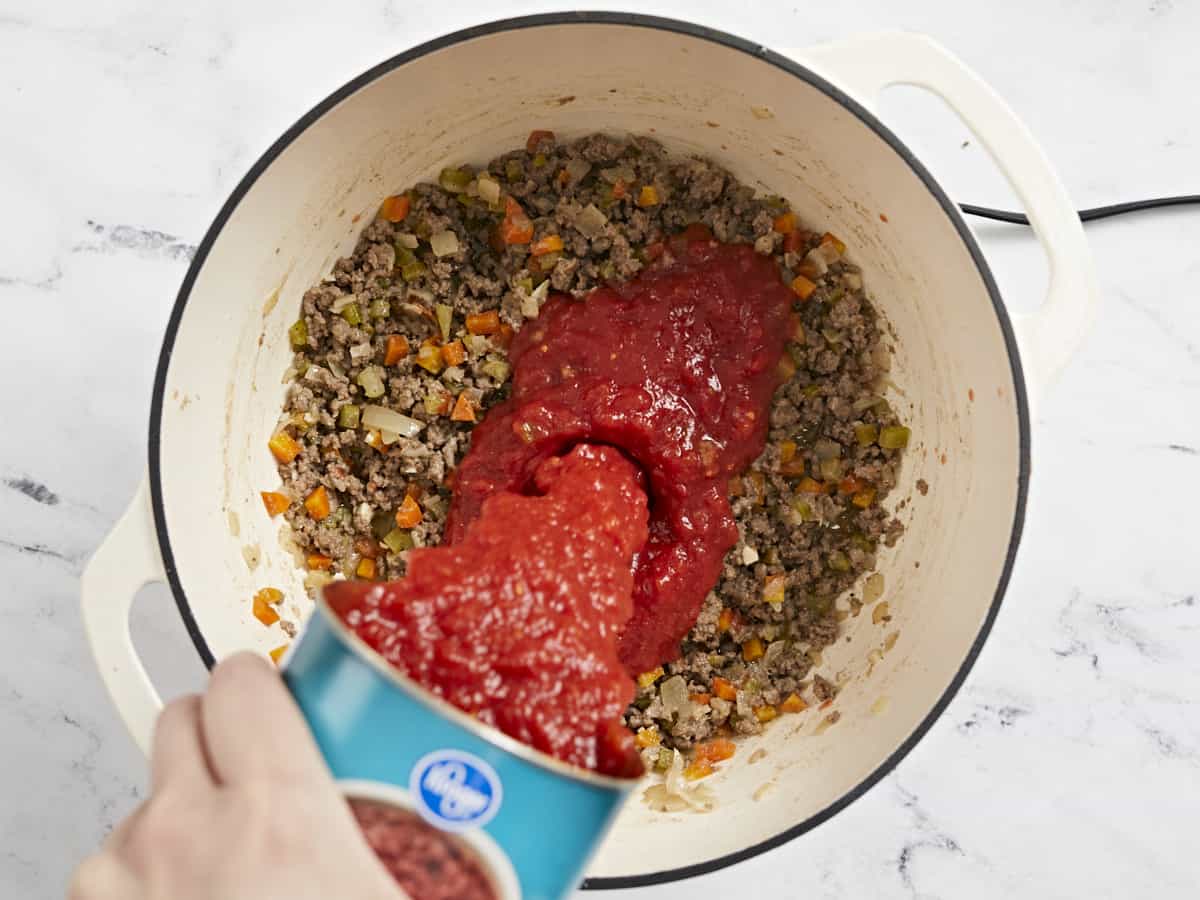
column 1087, row 215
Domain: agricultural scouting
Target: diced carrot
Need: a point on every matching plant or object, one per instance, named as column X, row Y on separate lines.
column 277, row 653
column 828, row 238
column 808, row 269
column 752, row 650
column 758, row 486
column 724, row 689
column 516, row 228
column 536, row 137
column 793, row 704
column 366, row 568
column 619, row 190
column 551, row 243
column 317, row 503
column 364, row 546
column 454, row 353
column 785, row 223
column 794, row 241
column 429, row 356
column 698, row 231
column 700, row 699
column 716, row 750
column 409, row 514
column 765, row 714
column 864, row 498
column 793, row 468
column 787, row 450
column 273, row 596
column 809, row 485
column 319, row 562
column 263, row 610
column 802, row 287
column 504, row 336
column 375, row 440
column 397, row 349
column 648, row 196
column 464, row 409
column 725, row 620
column 484, row 322
column 828, row 703
column 647, row 737
column 395, row 208
column 698, row 769
column 851, row 485
column 648, row 678
column 284, row 447
column 275, row 502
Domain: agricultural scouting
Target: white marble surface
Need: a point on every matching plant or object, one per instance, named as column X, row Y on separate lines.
column 1069, row 766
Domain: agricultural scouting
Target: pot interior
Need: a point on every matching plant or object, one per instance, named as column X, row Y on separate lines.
column 305, row 203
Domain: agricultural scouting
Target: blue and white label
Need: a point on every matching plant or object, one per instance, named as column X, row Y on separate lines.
column 455, row 791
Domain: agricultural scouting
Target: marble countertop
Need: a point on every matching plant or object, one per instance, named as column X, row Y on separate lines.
column 1068, row 766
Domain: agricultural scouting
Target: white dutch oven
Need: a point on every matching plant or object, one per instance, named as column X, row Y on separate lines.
column 797, row 123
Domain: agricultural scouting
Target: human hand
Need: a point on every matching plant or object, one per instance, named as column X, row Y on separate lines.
column 242, row 807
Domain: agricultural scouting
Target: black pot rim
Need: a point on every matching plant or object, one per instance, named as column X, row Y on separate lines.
column 771, row 58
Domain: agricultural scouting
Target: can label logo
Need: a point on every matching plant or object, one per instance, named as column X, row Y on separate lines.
column 454, row 790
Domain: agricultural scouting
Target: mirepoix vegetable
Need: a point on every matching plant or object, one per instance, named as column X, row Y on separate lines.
column 648, row 196
column 444, row 243
column 464, row 409
column 551, row 243
column 894, row 437
column 284, row 447
column 398, row 540
column 803, row 287
column 489, row 189
column 370, row 380
column 785, row 223
column 411, row 268
column 395, row 208
column 454, row 353
column 263, row 605
column 397, row 349
column 454, row 180
column 648, row 678
column 298, row 335
column 409, row 514
column 379, row 308
column 277, row 653
column 383, row 419
column 516, row 228
column 535, row 138
column 352, row 314
column 484, row 322
column 794, row 703
column 348, row 416
column 775, row 590
column 275, row 502
column 317, row 503
column 865, row 434
column 429, row 357
column 319, row 562
column 724, row 689
column 753, row 649
column 716, row 750
column 366, row 568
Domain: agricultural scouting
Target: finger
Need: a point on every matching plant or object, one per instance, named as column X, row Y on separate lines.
column 120, row 835
column 104, row 877
column 252, row 726
column 178, row 753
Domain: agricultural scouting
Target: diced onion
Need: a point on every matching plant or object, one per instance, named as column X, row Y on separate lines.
column 749, row 555
column 342, row 302
column 489, row 189
column 444, row 243
column 827, row 449
column 826, row 253
column 385, row 420
column 591, row 221
column 675, row 696
column 408, row 241
column 420, row 294
column 361, row 351
column 853, row 281
column 577, row 168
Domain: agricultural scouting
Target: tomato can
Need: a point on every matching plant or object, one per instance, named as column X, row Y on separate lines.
column 529, row 821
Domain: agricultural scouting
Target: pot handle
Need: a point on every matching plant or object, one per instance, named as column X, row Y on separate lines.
column 127, row 561
column 865, row 66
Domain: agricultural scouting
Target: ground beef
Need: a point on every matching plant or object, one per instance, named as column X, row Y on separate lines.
column 824, row 422
column 428, row 864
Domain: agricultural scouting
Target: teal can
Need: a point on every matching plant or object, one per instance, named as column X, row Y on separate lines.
column 531, row 821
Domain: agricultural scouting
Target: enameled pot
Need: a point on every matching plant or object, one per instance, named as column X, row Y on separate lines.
column 797, row 123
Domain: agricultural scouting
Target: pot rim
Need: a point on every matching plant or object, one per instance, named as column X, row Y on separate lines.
column 769, row 57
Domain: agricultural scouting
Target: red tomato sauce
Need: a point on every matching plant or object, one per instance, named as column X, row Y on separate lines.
column 677, row 369
column 517, row 623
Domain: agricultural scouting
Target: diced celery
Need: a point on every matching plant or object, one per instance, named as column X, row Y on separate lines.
column 445, row 316
column 352, row 314
column 348, row 416
column 539, row 160
column 497, row 369
column 398, row 540
column 411, row 268
column 371, row 381
column 298, row 334
column 513, row 170
column 838, row 561
column 803, row 510
column 865, row 434
column 831, row 469
column 894, row 437
column 454, row 180
column 380, row 309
